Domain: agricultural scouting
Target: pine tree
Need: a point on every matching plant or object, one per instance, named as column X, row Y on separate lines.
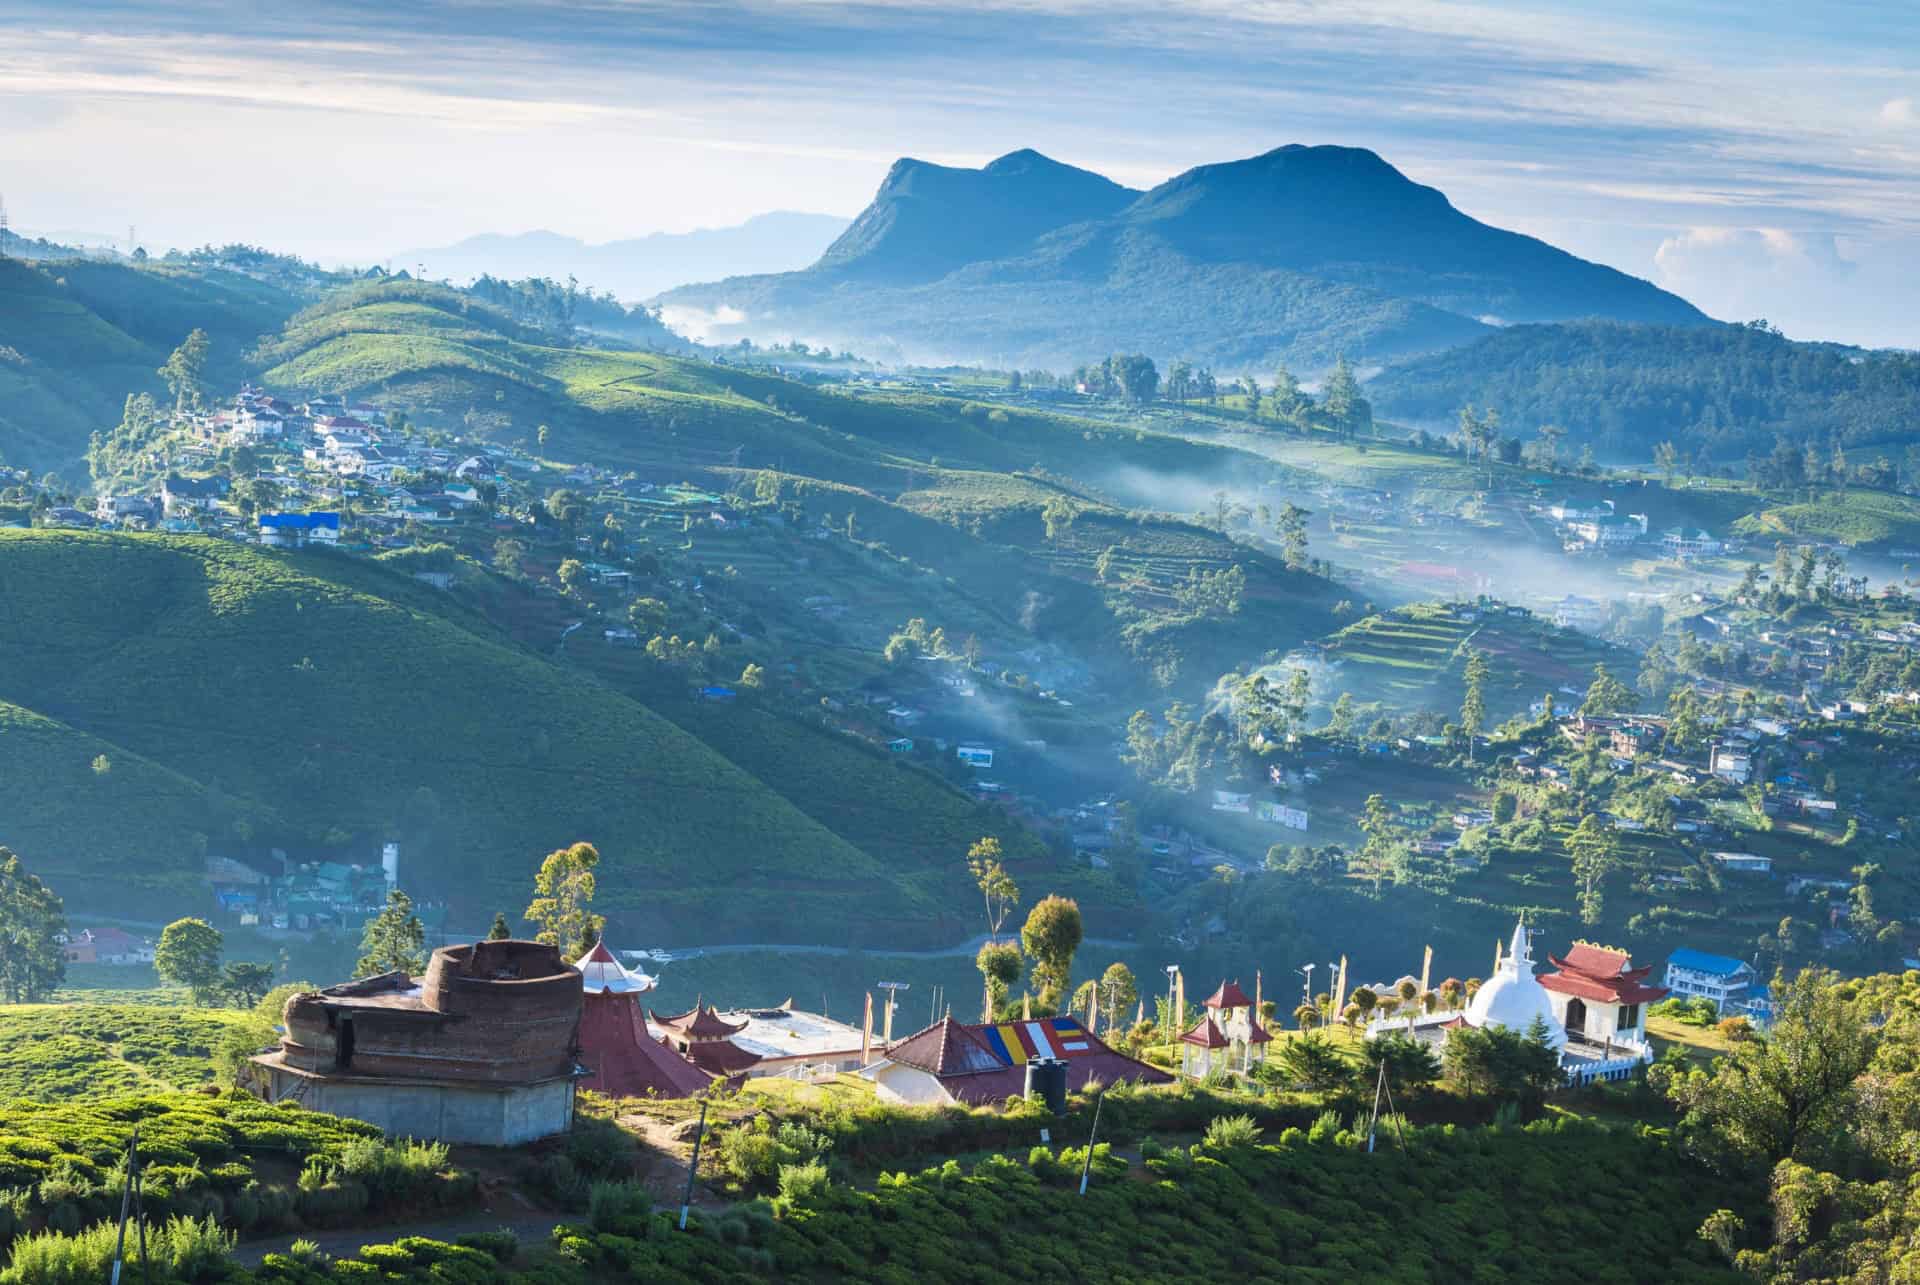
column 394, row 940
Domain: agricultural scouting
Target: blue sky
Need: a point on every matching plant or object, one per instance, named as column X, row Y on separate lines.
column 1762, row 158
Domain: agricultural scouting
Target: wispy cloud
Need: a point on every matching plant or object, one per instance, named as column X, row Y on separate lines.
column 1617, row 129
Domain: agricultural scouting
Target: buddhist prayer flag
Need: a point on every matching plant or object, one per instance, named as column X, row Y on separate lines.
column 1426, row 970
column 1021, row 1042
column 866, row 1035
column 1340, row 990
column 1026, row 1005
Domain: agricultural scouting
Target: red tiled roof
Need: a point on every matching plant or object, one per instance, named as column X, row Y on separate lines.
column 1206, row 1034
column 1594, row 961
column 946, row 1048
column 623, row 1060
column 1256, row 1033
column 1229, row 996
column 700, row 1023
column 1601, row 973
column 721, row 1057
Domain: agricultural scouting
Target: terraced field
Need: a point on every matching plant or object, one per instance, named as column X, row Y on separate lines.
column 1415, row 657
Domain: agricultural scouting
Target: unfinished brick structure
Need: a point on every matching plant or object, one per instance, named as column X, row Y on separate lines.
column 481, row 1049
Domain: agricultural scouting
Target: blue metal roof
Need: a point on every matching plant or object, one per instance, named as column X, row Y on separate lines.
column 1701, row 961
column 300, row 521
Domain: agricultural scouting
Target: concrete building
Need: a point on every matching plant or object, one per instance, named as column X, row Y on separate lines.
column 1731, row 763
column 1694, row 974
column 482, row 1049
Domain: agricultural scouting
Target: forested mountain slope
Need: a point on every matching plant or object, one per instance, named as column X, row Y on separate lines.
column 1300, row 254
column 1727, row 389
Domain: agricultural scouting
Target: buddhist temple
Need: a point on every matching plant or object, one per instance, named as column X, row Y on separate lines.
column 621, row 1059
column 1593, row 1008
column 1599, row 996
column 705, row 1039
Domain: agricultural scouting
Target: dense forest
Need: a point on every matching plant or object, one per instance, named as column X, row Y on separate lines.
column 1727, row 390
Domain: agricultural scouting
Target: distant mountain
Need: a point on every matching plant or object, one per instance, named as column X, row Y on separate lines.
column 1298, row 255
column 1723, row 389
column 639, row 267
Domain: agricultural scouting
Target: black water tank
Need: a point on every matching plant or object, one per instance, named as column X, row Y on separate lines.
column 1047, row 1079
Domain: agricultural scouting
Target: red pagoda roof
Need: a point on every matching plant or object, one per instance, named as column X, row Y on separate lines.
column 721, row 1057
column 946, row 1048
column 1206, row 1034
column 1601, row 973
column 624, row 1061
column 1256, row 1033
column 700, row 1024
column 1229, row 996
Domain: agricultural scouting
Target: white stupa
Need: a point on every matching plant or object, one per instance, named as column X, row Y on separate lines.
column 1512, row 997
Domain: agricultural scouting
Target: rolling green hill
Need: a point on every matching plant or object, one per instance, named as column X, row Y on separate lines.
column 1850, row 517
column 235, row 692
column 78, row 336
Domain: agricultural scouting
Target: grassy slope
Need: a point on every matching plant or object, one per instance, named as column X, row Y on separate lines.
column 331, row 691
column 1852, row 517
column 77, row 337
column 59, row 1052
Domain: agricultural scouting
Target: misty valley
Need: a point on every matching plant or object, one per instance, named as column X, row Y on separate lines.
column 1254, row 723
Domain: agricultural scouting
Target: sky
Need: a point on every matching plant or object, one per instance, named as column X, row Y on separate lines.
column 1761, row 158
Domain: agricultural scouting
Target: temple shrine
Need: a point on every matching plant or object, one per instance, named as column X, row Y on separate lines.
column 619, row 1055
column 1599, row 996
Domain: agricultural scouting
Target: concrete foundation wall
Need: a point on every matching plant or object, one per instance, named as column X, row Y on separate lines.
column 478, row 1114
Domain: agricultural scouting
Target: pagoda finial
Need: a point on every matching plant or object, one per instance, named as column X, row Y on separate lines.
column 1520, row 953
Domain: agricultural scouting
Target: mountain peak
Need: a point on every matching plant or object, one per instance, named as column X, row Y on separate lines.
column 928, row 219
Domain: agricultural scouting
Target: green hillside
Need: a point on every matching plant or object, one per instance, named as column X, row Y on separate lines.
column 1726, row 389
column 1415, row 657
column 1849, row 517
column 76, row 337
column 313, row 697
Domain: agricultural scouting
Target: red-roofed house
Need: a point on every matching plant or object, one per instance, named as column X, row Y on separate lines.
column 978, row 1064
column 1599, row 996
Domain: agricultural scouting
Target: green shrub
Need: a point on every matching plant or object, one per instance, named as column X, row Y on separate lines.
column 502, row 1245
column 1229, row 1131
column 611, row 1203
column 803, row 1182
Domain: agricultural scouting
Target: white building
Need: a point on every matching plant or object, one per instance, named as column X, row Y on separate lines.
column 1601, row 998
column 1731, row 763
column 1744, row 862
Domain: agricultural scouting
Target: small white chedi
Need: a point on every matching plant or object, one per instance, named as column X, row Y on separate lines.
column 1513, row 997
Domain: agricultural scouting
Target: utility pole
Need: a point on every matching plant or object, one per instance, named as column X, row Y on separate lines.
column 126, row 1207
column 693, row 1167
column 1086, row 1166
